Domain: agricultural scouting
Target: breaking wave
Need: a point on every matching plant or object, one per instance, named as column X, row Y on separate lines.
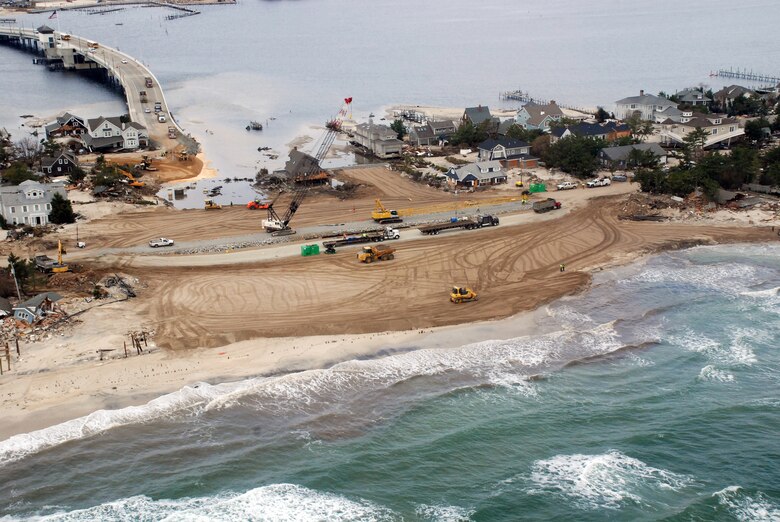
column 608, row 480
column 744, row 507
column 712, row 374
column 278, row 502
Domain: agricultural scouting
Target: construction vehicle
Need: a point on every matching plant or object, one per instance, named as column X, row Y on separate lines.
column 149, row 83
column 210, row 205
column 48, row 265
column 280, row 225
column 462, row 295
column 142, row 96
column 258, row 205
column 367, row 237
column 131, row 180
column 376, row 253
column 468, row 223
column 146, row 164
column 546, row 205
column 384, row 216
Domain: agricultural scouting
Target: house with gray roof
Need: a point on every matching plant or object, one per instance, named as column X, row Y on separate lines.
column 538, row 116
column 646, row 105
column 422, row 136
column 111, row 134
column 36, row 307
column 693, row 96
column 29, row 203
column 719, row 127
column 65, row 125
column 381, row 140
column 726, row 96
column 477, row 115
column 442, row 129
column 60, row 164
column 510, row 152
column 618, row 156
column 609, row 131
column 477, row 174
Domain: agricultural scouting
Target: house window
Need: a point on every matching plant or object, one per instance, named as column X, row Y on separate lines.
column 731, row 129
column 25, row 219
column 13, row 210
column 60, row 161
column 24, row 209
column 48, row 206
column 717, row 122
column 633, row 105
column 714, row 131
column 37, row 208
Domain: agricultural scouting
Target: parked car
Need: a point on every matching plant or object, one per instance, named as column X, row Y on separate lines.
column 600, row 182
column 567, row 185
column 161, row 242
column 619, row 177
column 124, row 61
column 147, row 110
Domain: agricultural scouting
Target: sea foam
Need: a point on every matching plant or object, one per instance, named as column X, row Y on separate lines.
column 278, row 503
column 744, row 507
column 608, row 480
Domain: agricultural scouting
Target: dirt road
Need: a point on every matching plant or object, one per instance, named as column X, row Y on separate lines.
column 512, row 268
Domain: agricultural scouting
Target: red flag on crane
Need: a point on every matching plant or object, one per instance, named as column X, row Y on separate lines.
column 348, row 100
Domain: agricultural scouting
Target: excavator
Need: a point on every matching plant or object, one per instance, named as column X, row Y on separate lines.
column 210, row 205
column 384, row 216
column 132, row 181
column 47, row 265
column 278, row 225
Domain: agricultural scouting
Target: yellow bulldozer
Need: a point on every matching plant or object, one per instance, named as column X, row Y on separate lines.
column 369, row 254
column 210, row 205
column 462, row 295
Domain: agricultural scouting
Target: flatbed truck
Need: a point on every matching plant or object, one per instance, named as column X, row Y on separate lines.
column 467, row 223
column 368, row 237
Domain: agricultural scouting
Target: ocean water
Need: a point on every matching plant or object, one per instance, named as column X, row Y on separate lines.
column 289, row 64
column 653, row 396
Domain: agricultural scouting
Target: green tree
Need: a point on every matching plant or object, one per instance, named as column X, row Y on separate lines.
column 398, row 127
column 771, row 166
column 61, row 210
column 693, row 145
column 17, row 173
column 76, row 175
column 652, row 181
column 107, row 175
column 642, row 159
column 51, row 148
column 754, row 130
column 574, row 155
column 601, row 115
column 24, row 270
column 640, row 129
column 469, row 134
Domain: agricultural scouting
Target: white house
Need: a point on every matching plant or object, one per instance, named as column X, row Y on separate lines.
column 719, row 128
column 112, row 134
column 381, row 140
column 476, row 174
column 29, row 203
column 646, row 105
column 536, row 116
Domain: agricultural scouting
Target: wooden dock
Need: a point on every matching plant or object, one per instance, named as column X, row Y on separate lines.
column 525, row 97
column 744, row 74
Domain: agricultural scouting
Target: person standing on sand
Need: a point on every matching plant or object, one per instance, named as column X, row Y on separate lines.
column 563, row 267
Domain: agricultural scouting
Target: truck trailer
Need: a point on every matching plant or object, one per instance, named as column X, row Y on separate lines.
column 368, row 237
column 467, row 223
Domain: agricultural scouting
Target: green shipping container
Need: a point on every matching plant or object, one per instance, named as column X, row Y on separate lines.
column 538, row 187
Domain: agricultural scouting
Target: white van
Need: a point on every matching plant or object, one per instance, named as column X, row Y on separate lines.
column 161, row 118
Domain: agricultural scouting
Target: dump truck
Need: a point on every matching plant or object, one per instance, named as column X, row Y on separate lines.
column 142, row 96
column 384, row 216
column 210, row 205
column 48, row 265
column 368, row 237
column 467, row 223
column 376, row 253
column 462, row 295
column 149, row 83
column 546, row 205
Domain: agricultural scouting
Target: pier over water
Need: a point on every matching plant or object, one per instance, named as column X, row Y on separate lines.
column 61, row 50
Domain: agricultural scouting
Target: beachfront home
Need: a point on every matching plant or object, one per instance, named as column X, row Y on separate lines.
column 303, row 168
column 720, row 129
column 111, row 134
column 537, row 116
column 64, row 162
column 36, row 308
column 693, row 96
column 510, row 152
column 443, row 129
column 646, row 105
column 431, row 133
column 609, row 131
column 477, row 174
column 29, row 203
column 380, row 140
column 476, row 115
column 618, row 156
column 65, row 125
column 726, row 96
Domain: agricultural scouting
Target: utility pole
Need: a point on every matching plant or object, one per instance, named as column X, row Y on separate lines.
column 13, row 273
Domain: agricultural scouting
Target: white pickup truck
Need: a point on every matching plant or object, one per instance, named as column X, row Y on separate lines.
column 566, row 185
column 161, row 242
column 600, row 182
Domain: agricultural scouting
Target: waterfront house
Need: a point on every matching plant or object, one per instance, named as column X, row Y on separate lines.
column 380, row 140
column 646, row 105
column 510, row 152
column 65, row 125
column 443, row 129
column 537, row 116
column 111, row 134
column 726, row 96
column 693, row 96
column 618, row 156
column 29, row 203
column 60, row 164
column 303, row 168
column 609, row 131
column 36, row 308
column 477, row 174
column 720, row 129
column 477, row 115
column 422, row 136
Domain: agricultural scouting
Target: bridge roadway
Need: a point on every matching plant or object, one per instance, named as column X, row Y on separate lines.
column 130, row 73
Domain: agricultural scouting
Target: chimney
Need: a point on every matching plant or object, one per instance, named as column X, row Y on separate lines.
column 552, row 102
column 641, row 92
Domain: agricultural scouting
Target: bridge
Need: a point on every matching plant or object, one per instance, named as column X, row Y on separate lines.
column 74, row 52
